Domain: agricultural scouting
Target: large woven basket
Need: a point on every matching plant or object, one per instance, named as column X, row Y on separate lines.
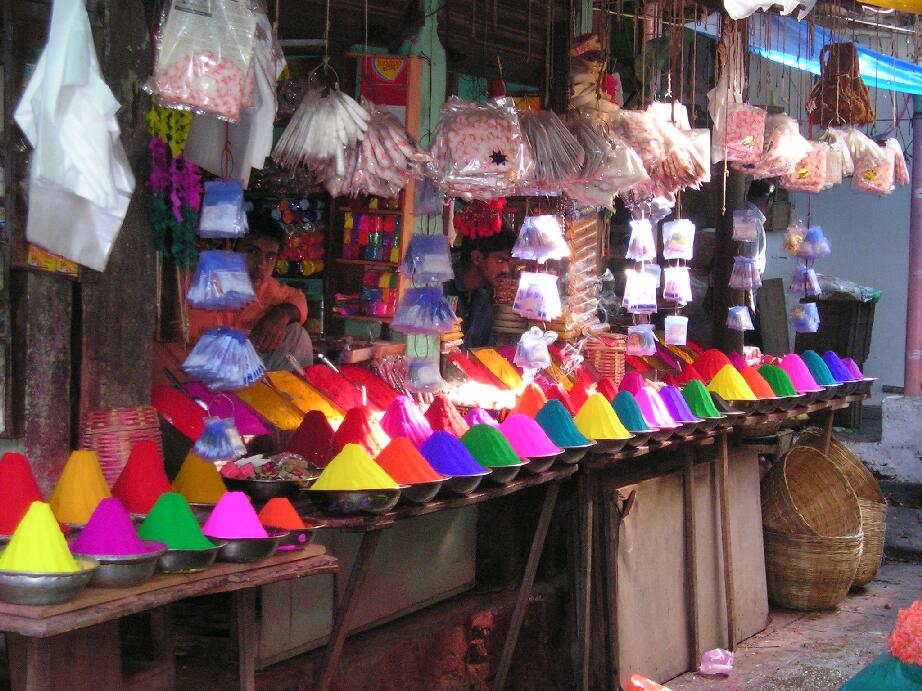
column 805, row 494
column 809, row 572
column 112, row 433
column 873, row 526
column 606, row 354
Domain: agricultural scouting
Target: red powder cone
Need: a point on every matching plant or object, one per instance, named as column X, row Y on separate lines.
column 556, row 391
column 530, row 401
column 361, row 427
column 608, row 389
column 709, row 363
column 18, row 490
column 143, row 479
column 443, row 416
column 313, row 439
column 682, row 378
column 579, row 394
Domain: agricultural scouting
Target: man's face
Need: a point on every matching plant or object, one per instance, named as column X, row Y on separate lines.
column 261, row 254
column 494, row 265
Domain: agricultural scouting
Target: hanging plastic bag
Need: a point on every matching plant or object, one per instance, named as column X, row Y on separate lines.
column 541, row 238
column 537, row 297
column 221, row 281
column 556, row 154
column 814, row 244
column 428, row 259
column 805, row 317
column 683, row 164
column 642, row 246
column 678, row 239
column 641, row 132
column 745, row 275
column 424, row 311
column 531, row 351
column 809, row 174
column 677, row 285
column 222, row 214
column 878, row 171
column 220, row 440
column 745, row 133
column 611, row 165
column 640, row 290
column 744, row 225
column 676, row 330
column 423, row 375
column 804, row 282
column 640, row 340
column 224, row 360
column 794, row 236
column 784, row 146
column 739, row 318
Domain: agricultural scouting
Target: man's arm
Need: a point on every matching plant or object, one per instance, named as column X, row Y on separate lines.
column 269, row 331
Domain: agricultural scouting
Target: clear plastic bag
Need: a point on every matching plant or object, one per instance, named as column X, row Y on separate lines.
column 744, row 225
column 424, row 311
column 783, row 147
column 814, row 244
column 611, row 166
column 640, row 130
column 804, row 282
column 641, row 340
column 678, row 239
column 204, row 50
column 220, row 440
column 537, row 297
column 739, row 318
column 541, row 238
column 716, row 662
column 677, row 285
column 221, row 281
column 745, row 275
column 423, row 375
column 641, row 246
column 839, row 163
column 676, row 330
column 224, row 360
column 640, row 289
column 222, row 214
column 531, row 351
column 809, row 174
column 877, row 172
column 683, row 163
column 794, row 236
column 805, row 318
column 428, row 260
column 557, row 155
column 745, row 132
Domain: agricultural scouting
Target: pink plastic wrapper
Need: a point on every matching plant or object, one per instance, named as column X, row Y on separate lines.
column 716, row 662
column 745, row 133
column 810, row 172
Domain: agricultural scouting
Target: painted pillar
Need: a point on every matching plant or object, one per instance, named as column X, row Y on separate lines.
column 912, row 377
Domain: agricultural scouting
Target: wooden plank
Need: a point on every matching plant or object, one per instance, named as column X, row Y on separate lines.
column 586, row 520
column 725, row 538
column 773, row 318
column 691, row 558
column 247, row 637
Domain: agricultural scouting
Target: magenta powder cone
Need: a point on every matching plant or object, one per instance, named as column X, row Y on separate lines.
column 676, row 405
column 479, row 416
column 653, row 408
column 632, row 382
column 233, row 516
column 737, row 360
column 403, row 418
column 247, row 420
column 853, row 368
column 527, row 437
column 110, row 532
column 800, row 375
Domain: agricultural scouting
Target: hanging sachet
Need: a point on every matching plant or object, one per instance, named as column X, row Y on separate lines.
column 537, row 297
column 221, row 281
column 224, row 360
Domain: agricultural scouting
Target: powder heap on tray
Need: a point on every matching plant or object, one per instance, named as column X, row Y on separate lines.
column 799, row 373
column 220, row 404
column 629, row 412
column 443, row 416
column 403, row 418
column 632, row 382
column 353, row 469
column 80, row 488
column 199, row 481
column 360, row 426
column 559, row 393
column 598, row 420
column 313, row 439
column 335, row 387
column 530, row 401
column 579, row 394
column 607, row 388
column 818, row 368
column 18, row 490
column 402, row 461
column 449, row 456
column 778, row 380
column 853, row 368
column 687, row 373
column 479, row 416
column 499, row 366
column 654, row 409
column 709, row 363
column 234, row 517
column 489, row 447
column 143, row 479
column 179, row 410
column 527, row 438
column 474, row 369
column 737, row 360
column 172, row 522
column 699, row 399
column 760, row 387
column 837, row 368
column 558, row 424
column 380, row 394
column 676, row 405
column 271, row 406
column 280, row 513
column 729, row 384
column 110, row 532
column 38, row 545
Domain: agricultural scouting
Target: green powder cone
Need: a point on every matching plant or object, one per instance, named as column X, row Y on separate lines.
column 818, row 368
column 629, row 412
column 778, row 379
column 489, row 447
column 172, row 522
column 558, row 424
column 699, row 399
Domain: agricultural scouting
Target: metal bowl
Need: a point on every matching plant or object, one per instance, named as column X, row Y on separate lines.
column 640, row 438
column 29, row 588
column 850, row 387
column 730, row 418
column 538, row 464
column 503, row 474
column 827, row 392
column 864, row 385
column 464, row 484
column 767, row 405
column 686, row 428
column 261, row 491
column 574, row 454
column 808, row 397
column 243, row 550
column 344, row 502
column 188, row 560
column 788, row 402
column 708, row 423
column 604, row 446
column 662, row 433
column 745, row 407
column 124, row 571
column 421, row 492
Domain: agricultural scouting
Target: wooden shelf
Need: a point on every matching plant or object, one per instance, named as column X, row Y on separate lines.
column 368, row 262
column 362, row 318
column 371, row 212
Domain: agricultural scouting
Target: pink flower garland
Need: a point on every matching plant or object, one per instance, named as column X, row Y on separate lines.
column 906, row 638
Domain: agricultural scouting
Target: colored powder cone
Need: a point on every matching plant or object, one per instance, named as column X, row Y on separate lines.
column 234, row 517
column 676, row 405
column 443, row 416
column 489, row 447
column 403, row 418
column 607, row 388
column 499, row 366
column 280, row 513
column 530, row 401
column 110, row 532
column 799, row 373
column 598, row 420
column 818, row 368
column 654, row 409
column 449, row 456
column 18, row 490
column 629, row 412
column 179, row 410
column 38, row 545
column 558, row 424
column 729, row 384
column 172, row 522
column 699, row 399
column 313, row 439
column 352, row 468
column 143, row 479
column 632, row 382
column 837, row 367
column 360, row 426
column 737, row 361
column 199, row 481
column 80, row 488
column 403, row 462
column 479, row 416
column 380, row 395
column 527, row 438
column 709, row 363
column 778, row 379
column 682, row 378
column 559, row 393
column 760, row 387
column 221, row 404
column 579, row 394
column 853, row 368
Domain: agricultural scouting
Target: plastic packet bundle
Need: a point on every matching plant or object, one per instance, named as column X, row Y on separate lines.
column 814, row 244
column 804, row 282
column 423, row 375
column 537, row 297
column 794, row 236
column 684, row 164
column 541, row 238
column 641, row 340
column 640, row 130
column 805, row 318
column 677, row 285
column 744, row 225
column 557, row 155
column 745, row 275
column 878, row 173
column 531, row 351
column 745, row 132
column 640, row 290
column 610, row 164
column 739, row 318
column 809, row 174
column 479, row 150
column 221, row 281
column 220, row 441
column 222, row 214
column 641, row 246
column 424, row 311
column 224, row 360
column 428, row 259
column 676, row 330
column 839, row 162
column 783, row 147
column 678, row 239
column 203, row 60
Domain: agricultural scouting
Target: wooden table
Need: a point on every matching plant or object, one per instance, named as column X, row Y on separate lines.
column 89, row 624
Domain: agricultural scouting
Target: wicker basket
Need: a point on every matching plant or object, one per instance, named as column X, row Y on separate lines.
column 112, row 434
column 808, row 572
column 606, row 355
column 873, row 526
column 805, row 494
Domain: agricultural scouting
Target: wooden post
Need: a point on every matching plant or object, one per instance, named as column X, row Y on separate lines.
column 723, row 469
column 611, row 545
column 247, row 637
column 584, row 607
column 691, row 559
column 827, row 430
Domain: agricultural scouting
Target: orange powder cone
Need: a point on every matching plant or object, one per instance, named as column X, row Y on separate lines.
column 760, row 387
column 530, row 401
column 80, row 488
column 279, row 513
column 405, row 464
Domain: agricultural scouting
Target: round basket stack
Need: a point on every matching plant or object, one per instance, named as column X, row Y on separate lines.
column 112, row 433
column 812, row 526
column 871, row 501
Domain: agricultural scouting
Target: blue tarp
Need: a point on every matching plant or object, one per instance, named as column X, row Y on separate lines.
column 785, row 40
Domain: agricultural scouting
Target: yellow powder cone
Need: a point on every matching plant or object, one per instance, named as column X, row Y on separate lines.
column 499, row 366
column 729, row 384
column 598, row 420
column 38, row 545
column 271, row 406
column 80, row 488
column 352, row 468
column 531, row 400
column 199, row 481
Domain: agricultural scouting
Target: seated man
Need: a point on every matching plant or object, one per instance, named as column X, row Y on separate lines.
column 274, row 319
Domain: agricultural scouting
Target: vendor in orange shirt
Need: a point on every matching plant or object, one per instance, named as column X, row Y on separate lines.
column 274, row 319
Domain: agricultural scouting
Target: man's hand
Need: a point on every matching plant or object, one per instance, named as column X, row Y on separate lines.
column 269, row 331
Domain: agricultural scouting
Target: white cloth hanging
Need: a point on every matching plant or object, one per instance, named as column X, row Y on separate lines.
column 80, row 181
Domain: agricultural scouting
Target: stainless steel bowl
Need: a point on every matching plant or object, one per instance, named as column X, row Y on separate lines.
column 827, row 392
column 538, row 464
column 261, row 491
column 850, row 387
column 640, row 438
column 502, row 474
column 767, row 405
column 29, row 588
column 730, row 418
column 188, row 560
column 243, row 550
column 345, row 502
column 463, row 484
column 574, row 454
column 686, row 429
column 123, row 571
column 723, row 405
column 609, row 445
column 788, row 402
column 662, row 433
column 708, row 423
column 864, row 385
column 808, row 397
column 421, row 492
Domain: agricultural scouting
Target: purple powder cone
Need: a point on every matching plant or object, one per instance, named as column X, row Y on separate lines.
column 838, row 369
column 853, row 368
column 449, row 456
column 737, row 361
column 110, row 532
column 676, row 405
column 479, row 416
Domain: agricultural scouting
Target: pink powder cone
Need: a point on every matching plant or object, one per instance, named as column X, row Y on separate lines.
column 479, row 416
column 233, row 516
column 853, row 368
column 110, row 532
column 527, row 438
column 737, row 360
column 403, row 418
column 632, row 382
column 799, row 373
column 653, row 408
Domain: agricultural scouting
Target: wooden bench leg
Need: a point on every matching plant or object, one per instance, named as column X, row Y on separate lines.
column 30, row 662
column 247, row 637
column 723, row 471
